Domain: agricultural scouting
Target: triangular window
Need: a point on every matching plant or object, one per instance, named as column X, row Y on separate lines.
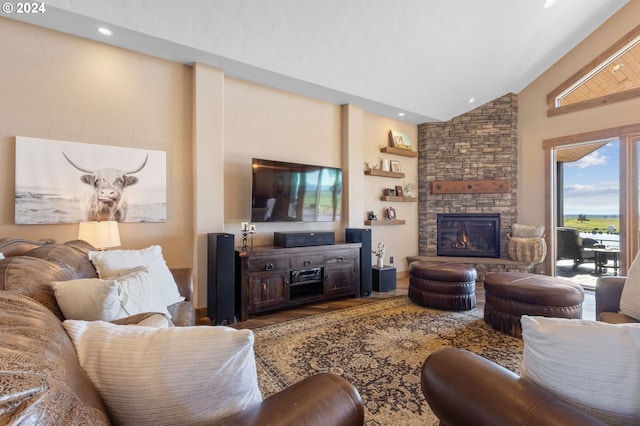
column 613, row 76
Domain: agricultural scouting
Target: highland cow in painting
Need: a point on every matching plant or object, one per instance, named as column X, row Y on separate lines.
column 109, row 201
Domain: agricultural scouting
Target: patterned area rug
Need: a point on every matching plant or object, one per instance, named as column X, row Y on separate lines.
column 379, row 347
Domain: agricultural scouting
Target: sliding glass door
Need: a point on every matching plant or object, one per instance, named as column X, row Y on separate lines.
column 588, row 210
column 593, row 189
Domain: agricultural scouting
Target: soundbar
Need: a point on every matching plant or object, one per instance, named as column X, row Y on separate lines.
column 303, row 239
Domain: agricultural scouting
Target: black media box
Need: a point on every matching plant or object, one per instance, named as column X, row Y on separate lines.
column 303, row 239
column 384, row 279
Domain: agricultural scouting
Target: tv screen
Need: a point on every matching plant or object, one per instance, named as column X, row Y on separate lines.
column 292, row 192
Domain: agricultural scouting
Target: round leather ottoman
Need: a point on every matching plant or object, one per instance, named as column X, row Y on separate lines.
column 443, row 285
column 509, row 295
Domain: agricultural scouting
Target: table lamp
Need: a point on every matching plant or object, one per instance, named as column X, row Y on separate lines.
column 101, row 235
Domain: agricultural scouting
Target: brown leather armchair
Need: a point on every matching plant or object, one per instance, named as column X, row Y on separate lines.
column 463, row 388
column 608, row 293
column 323, row 399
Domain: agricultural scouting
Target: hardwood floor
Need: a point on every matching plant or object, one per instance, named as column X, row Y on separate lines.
column 402, row 287
column 282, row 315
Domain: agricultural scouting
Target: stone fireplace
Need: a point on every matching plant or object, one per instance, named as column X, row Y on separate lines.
column 455, row 156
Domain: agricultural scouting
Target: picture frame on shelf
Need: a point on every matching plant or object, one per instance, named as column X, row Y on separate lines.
column 388, row 191
column 408, row 188
column 399, row 140
column 395, row 166
column 399, row 191
column 391, row 213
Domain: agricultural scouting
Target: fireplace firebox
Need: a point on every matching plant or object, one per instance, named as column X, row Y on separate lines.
column 469, row 235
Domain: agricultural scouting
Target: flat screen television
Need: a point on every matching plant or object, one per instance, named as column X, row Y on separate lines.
column 293, row 192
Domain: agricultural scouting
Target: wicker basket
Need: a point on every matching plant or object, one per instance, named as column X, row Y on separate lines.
column 528, row 250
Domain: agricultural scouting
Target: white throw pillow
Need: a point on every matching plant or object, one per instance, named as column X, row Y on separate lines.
column 93, row 299
column 179, row 375
column 147, row 319
column 527, row 231
column 592, row 365
column 157, row 321
column 630, row 298
column 109, row 263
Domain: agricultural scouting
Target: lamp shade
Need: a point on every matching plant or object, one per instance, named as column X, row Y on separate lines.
column 100, row 234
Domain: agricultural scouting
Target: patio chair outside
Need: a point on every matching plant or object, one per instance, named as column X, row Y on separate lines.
column 569, row 246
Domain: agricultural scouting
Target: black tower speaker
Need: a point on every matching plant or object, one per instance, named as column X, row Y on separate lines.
column 221, row 279
column 363, row 236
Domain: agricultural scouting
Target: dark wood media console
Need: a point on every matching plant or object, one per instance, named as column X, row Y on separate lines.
column 270, row 278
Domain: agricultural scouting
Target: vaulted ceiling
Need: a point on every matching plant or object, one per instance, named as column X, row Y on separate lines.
column 429, row 59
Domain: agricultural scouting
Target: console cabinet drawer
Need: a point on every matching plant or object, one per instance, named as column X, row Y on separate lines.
column 307, row 261
column 265, row 264
column 341, row 256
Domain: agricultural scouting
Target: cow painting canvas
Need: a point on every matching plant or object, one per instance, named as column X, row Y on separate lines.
column 70, row 182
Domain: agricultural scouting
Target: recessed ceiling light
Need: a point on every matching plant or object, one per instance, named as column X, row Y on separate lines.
column 472, row 100
column 105, row 31
column 616, row 68
column 401, row 114
column 549, row 3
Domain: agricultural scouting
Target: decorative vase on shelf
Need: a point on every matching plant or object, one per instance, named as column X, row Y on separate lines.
column 380, row 263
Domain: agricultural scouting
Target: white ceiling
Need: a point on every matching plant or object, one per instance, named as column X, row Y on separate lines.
column 425, row 58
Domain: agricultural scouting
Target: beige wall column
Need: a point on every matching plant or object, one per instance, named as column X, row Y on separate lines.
column 352, row 161
column 208, row 167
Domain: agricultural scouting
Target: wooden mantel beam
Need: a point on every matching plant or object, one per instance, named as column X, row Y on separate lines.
column 470, row 186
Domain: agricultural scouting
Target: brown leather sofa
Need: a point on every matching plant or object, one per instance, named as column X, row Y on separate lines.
column 43, row 383
column 608, row 293
column 463, row 388
column 30, row 266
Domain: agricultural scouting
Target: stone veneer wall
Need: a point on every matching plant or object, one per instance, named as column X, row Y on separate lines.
column 479, row 145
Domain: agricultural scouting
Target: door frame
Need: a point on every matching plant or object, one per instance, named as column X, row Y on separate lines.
column 629, row 136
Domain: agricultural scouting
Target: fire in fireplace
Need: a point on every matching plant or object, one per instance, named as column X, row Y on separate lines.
column 469, row 234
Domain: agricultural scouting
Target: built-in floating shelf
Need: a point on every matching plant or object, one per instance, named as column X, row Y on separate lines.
column 399, row 151
column 386, row 222
column 376, row 172
column 400, row 199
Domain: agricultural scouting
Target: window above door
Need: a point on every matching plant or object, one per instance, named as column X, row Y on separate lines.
column 611, row 77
